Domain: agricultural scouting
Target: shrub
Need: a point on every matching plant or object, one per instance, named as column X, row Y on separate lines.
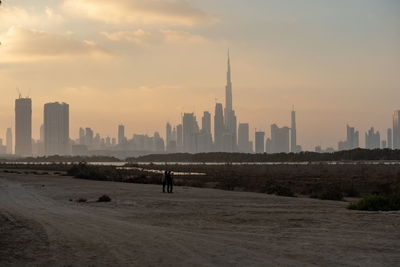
column 104, row 198
column 378, row 203
column 82, row 200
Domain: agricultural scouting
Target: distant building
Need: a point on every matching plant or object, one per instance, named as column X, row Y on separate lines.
column 189, row 133
column 352, row 140
column 121, row 135
column 23, row 126
column 56, row 129
column 3, row 148
column 230, row 121
column 372, row 139
column 204, row 138
column 293, row 133
column 82, row 136
column 279, row 139
column 9, row 141
column 259, row 142
column 268, row 148
column 179, row 137
column 218, row 127
column 244, row 145
column 389, row 138
column 168, row 135
column 396, row 129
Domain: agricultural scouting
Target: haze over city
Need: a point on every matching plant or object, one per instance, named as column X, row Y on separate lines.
column 144, row 64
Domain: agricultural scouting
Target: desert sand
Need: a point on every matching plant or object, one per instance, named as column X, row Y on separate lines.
column 41, row 226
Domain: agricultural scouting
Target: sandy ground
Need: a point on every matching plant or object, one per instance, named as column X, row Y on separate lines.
column 40, row 226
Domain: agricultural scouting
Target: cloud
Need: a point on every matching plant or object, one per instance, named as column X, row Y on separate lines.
column 142, row 37
column 171, row 12
column 17, row 16
column 20, row 44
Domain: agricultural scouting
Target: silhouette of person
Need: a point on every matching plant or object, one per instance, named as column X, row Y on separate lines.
column 164, row 181
column 170, row 182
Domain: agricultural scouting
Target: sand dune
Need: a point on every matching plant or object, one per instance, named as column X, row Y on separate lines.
column 192, row 227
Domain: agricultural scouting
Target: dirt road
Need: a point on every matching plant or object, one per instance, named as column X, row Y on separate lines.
column 193, row 227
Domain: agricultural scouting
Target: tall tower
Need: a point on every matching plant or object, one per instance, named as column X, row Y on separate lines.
column 396, row 129
column 56, row 129
column 23, row 126
column 228, row 87
column 293, row 134
column 121, row 134
column 230, row 123
column 218, row 127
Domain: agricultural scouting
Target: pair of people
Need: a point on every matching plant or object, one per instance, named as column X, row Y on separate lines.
column 168, row 181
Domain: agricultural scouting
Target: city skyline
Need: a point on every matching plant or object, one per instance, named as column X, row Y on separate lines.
column 174, row 63
column 186, row 137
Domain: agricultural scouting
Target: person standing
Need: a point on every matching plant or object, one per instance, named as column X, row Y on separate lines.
column 170, row 182
column 164, row 181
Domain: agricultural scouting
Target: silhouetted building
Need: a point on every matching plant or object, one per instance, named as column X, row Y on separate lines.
column 279, row 139
column 189, row 133
column 372, row 139
column 23, row 126
column 56, row 129
column 3, row 148
column 204, row 138
column 396, row 129
column 389, row 138
column 9, row 141
column 259, row 142
column 268, row 148
column 230, row 123
column 168, row 135
column 218, row 127
column 352, row 141
column 293, row 133
column 121, row 135
column 81, row 136
column 179, row 137
column 89, row 137
column 244, row 145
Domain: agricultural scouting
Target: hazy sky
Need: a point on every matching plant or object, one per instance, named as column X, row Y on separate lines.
column 142, row 63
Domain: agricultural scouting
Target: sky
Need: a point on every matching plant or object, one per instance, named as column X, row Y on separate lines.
column 143, row 63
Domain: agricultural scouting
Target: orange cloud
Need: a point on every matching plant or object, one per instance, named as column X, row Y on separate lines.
column 177, row 12
column 20, row 44
column 142, row 37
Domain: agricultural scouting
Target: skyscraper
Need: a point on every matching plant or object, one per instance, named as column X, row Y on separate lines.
column 204, row 138
column 396, row 129
column 352, row 139
column 230, row 139
column 189, row 132
column 168, row 135
column 81, row 136
column 179, row 137
column 218, row 127
column 243, row 138
column 206, row 122
column 260, row 142
column 293, row 134
column 56, row 129
column 23, row 126
column 372, row 139
column 279, row 139
column 389, row 138
column 9, row 141
column 121, row 134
